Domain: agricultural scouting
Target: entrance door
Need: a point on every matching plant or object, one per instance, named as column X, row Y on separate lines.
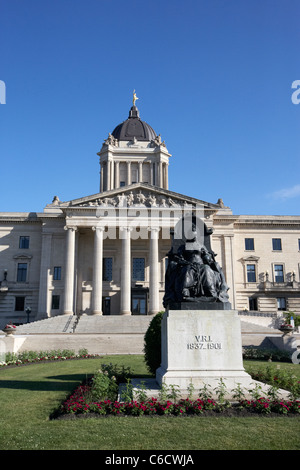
column 106, row 305
column 139, row 303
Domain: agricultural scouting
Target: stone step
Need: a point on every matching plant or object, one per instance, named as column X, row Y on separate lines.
column 113, row 324
column 249, row 327
column 60, row 324
column 100, row 324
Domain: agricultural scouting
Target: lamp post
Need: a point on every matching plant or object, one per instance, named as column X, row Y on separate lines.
column 28, row 311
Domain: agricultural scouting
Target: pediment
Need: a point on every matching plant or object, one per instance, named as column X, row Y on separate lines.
column 251, row 258
column 139, row 194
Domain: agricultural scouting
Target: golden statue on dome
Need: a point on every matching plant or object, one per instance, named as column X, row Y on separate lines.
column 134, row 97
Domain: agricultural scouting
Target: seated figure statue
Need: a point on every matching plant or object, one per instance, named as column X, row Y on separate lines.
column 193, row 273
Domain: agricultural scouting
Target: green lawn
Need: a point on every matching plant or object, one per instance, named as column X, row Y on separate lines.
column 28, row 395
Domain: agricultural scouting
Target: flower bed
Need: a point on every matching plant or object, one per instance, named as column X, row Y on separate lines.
column 98, row 396
column 77, row 404
column 29, row 357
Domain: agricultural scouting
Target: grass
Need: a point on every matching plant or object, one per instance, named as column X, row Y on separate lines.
column 28, row 395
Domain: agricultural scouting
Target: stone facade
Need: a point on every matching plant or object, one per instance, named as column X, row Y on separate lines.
column 106, row 253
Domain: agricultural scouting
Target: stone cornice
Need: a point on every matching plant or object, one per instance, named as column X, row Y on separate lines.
column 268, row 220
column 21, row 218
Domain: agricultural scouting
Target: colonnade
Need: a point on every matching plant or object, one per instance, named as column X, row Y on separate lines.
column 110, row 174
column 125, row 304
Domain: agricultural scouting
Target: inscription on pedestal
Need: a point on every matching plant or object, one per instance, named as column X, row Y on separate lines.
column 204, row 342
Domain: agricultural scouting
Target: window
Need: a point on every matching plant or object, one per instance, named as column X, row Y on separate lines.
column 251, row 274
column 249, row 244
column 20, row 304
column 281, row 303
column 122, row 183
column 276, row 243
column 24, row 243
column 278, row 273
column 55, row 302
column 22, row 272
column 299, row 244
column 57, row 273
column 253, row 303
column 107, row 269
column 138, row 269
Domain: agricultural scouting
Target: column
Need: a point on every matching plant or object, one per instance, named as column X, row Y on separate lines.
column 43, row 305
column 160, row 176
column 128, row 172
column 108, row 175
column 228, row 269
column 167, row 176
column 97, row 274
column 125, row 307
column 154, row 272
column 112, row 173
column 140, row 172
column 101, row 179
column 117, row 174
column 69, row 271
column 151, row 173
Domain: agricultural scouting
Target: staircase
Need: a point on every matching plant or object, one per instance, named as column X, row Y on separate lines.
column 116, row 334
column 54, row 325
column 87, row 324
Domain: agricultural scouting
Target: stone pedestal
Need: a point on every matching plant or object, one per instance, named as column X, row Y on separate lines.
column 201, row 347
column 10, row 344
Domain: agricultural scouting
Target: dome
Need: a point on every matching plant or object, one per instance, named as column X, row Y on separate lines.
column 134, row 127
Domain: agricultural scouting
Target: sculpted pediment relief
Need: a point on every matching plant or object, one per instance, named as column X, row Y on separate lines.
column 140, row 195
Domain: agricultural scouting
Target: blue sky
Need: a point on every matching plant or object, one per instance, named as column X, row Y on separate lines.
column 213, row 77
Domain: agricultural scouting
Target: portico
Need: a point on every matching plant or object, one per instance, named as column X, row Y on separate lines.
column 87, row 246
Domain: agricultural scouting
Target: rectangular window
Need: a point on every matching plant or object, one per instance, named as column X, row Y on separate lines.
column 281, row 303
column 20, row 304
column 57, row 273
column 138, row 269
column 278, row 273
column 251, row 274
column 276, row 243
column 299, row 244
column 22, row 272
column 55, row 302
column 249, row 244
column 107, row 269
column 24, row 243
column 122, row 183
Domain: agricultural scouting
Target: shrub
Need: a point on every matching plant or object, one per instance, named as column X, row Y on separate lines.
column 103, row 387
column 152, row 343
column 262, row 354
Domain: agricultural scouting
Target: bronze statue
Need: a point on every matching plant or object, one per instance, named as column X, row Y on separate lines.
column 193, row 274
